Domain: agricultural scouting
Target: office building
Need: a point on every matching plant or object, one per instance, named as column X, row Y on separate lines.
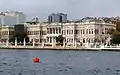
column 12, row 18
column 57, row 18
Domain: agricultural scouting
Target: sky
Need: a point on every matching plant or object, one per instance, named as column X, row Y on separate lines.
column 75, row 9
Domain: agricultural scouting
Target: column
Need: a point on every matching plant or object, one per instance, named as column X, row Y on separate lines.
column 49, row 39
column 7, row 43
column 58, row 31
column 43, row 44
column 54, row 39
column 66, row 32
column 24, row 42
column 15, row 41
column 33, row 42
column 52, row 30
column 55, row 31
column 52, row 42
column 64, row 43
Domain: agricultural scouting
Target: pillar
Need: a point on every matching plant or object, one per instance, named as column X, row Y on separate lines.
column 75, row 44
column 33, row 43
column 15, row 41
column 64, row 43
column 52, row 42
column 55, row 31
column 43, row 44
column 24, row 42
column 52, row 30
column 49, row 39
column 7, row 43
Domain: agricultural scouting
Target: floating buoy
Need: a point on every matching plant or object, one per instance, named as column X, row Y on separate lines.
column 36, row 60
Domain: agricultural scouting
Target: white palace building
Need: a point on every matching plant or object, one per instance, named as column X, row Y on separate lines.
column 80, row 33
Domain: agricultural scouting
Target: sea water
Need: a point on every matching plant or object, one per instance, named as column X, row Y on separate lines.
column 20, row 62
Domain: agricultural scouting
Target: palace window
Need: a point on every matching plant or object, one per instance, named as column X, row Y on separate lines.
column 53, row 30
column 50, row 30
column 59, row 30
column 92, row 31
column 56, row 30
column 67, row 31
column 96, row 31
column 76, row 31
column 83, row 31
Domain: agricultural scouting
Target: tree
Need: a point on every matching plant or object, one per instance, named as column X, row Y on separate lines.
column 20, row 38
column 60, row 39
column 117, row 22
column 111, row 31
column 115, row 36
column 116, row 39
column 115, row 33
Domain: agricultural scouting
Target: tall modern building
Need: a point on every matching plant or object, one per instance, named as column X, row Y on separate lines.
column 57, row 17
column 12, row 18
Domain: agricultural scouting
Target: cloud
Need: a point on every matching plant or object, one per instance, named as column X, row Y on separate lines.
column 74, row 8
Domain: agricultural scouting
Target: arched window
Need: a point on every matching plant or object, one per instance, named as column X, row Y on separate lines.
column 83, row 40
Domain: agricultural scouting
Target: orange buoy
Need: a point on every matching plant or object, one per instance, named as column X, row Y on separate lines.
column 36, row 60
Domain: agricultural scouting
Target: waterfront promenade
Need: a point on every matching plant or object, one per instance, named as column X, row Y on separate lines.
column 75, row 48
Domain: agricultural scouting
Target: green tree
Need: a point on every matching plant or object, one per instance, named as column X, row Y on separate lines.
column 115, row 36
column 111, row 31
column 60, row 39
column 20, row 38
column 115, row 39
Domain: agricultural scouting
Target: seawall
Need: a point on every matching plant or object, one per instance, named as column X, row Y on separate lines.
column 62, row 49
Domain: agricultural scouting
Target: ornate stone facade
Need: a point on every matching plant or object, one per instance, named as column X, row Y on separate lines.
column 88, row 32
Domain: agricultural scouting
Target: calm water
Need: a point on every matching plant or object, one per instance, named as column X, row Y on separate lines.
column 59, row 63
